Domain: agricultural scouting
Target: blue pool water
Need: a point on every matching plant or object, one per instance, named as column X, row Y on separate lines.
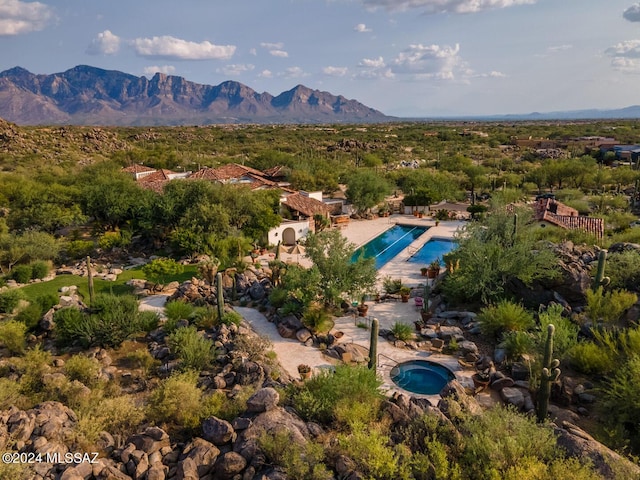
column 421, row 376
column 389, row 244
column 434, row 248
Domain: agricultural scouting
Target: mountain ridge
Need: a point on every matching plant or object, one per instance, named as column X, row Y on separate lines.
column 85, row 95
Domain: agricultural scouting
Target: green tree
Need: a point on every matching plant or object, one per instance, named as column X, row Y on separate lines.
column 160, row 268
column 365, row 189
column 332, row 255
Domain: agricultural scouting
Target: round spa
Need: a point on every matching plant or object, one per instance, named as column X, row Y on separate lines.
column 421, row 376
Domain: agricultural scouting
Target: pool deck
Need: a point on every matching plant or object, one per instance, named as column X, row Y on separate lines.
column 291, row 353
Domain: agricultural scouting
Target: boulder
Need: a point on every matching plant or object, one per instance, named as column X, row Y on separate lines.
column 263, row 400
column 151, row 440
column 581, row 445
column 217, row 431
column 303, row 335
column 202, row 453
column 513, row 396
column 229, row 465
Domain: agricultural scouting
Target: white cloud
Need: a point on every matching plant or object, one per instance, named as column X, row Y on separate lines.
column 272, row 46
column 625, row 56
column 335, row 71
column 105, row 43
column 492, row 74
column 444, row 6
column 178, row 49
column 293, row 72
column 627, row 49
column 279, row 53
column 430, row 61
column 166, row 69
column 362, row 28
column 18, row 17
column 632, row 13
column 372, row 62
column 266, row 74
column 235, row 69
column 253, row 51
column 559, row 48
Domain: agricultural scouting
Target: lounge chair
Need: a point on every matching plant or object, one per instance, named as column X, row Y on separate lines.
column 419, row 302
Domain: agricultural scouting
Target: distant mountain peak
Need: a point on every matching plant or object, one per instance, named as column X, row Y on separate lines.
column 87, row 95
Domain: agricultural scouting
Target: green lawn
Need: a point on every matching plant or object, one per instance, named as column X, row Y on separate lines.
column 118, row 287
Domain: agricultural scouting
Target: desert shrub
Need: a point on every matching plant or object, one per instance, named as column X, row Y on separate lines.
column 47, row 301
column 72, row 325
column 40, row 269
column 146, row 321
column 177, row 400
column 504, row 316
column 501, row 439
column 219, row 405
column 72, row 393
column 178, row 310
column 9, row 394
column 254, row 346
column 12, row 336
column 566, row 332
column 205, row 317
column 291, row 307
column 531, row 468
column 517, row 344
column 317, row 319
column 22, row 273
column 391, row 286
column 278, row 297
column 118, row 416
column 193, row 350
column 624, row 270
column 623, row 386
column 370, row 449
column 30, row 316
column 317, row 399
column 33, row 365
column 117, row 239
column 231, row 318
column 402, row 331
column 142, row 359
column 589, row 358
column 83, row 369
column 608, row 307
column 304, row 462
column 79, row 248
column 160, row 269
column 15, row 471
column 9, row 300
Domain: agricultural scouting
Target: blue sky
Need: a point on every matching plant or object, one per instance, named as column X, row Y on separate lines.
column 403, row 57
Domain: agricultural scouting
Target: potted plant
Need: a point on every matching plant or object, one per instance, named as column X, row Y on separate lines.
column 481, row 379
column 363, row 308
column 404, row 294
column 304, row 371
column 434, row 268
column 423, row 271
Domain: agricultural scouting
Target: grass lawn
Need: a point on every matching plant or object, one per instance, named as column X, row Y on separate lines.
column 118, row 287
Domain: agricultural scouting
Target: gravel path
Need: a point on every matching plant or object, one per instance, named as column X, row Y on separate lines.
column 291, row 353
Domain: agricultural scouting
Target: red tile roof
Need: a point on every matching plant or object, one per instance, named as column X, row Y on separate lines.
column 137, row 168
column 561, row 215
column 306, row 205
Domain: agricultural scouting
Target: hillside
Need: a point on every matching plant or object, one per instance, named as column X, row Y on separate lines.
column 86, row 95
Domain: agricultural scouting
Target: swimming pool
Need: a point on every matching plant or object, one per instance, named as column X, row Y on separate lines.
column 389, row 244
column 421, row 376
column 434, row 248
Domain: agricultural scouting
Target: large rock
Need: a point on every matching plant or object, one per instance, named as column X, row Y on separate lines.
column 581, row 445
column 513, row 396
column 151, row 440
column 229, row 465
column 217, row 431
column 263, row 400
column 202, row 453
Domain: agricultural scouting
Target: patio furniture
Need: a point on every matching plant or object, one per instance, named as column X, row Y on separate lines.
column 419, row 302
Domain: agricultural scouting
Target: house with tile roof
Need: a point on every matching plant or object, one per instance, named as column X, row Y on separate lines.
column 549, row 211
column 299, row 210
column 138, row 171
column 236, row 174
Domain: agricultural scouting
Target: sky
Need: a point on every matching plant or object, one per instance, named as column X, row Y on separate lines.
column 408, row 58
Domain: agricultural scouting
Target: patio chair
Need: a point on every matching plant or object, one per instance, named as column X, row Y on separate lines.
column 419, row 302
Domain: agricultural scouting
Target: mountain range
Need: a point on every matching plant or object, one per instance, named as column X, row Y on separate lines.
column 86, row 95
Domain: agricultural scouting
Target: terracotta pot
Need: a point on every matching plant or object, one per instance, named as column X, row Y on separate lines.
column 431, row 273
column 362, row 310
column 404, row 298
column 479, row 382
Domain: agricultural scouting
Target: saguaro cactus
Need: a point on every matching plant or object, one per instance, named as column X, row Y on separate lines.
column 373, row 343
column 550, row 373
column 601, row 280
column 90, row 280
column 515, row 227
column 220, row 296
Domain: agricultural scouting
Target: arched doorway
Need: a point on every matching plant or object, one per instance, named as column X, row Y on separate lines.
column 289, row 236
